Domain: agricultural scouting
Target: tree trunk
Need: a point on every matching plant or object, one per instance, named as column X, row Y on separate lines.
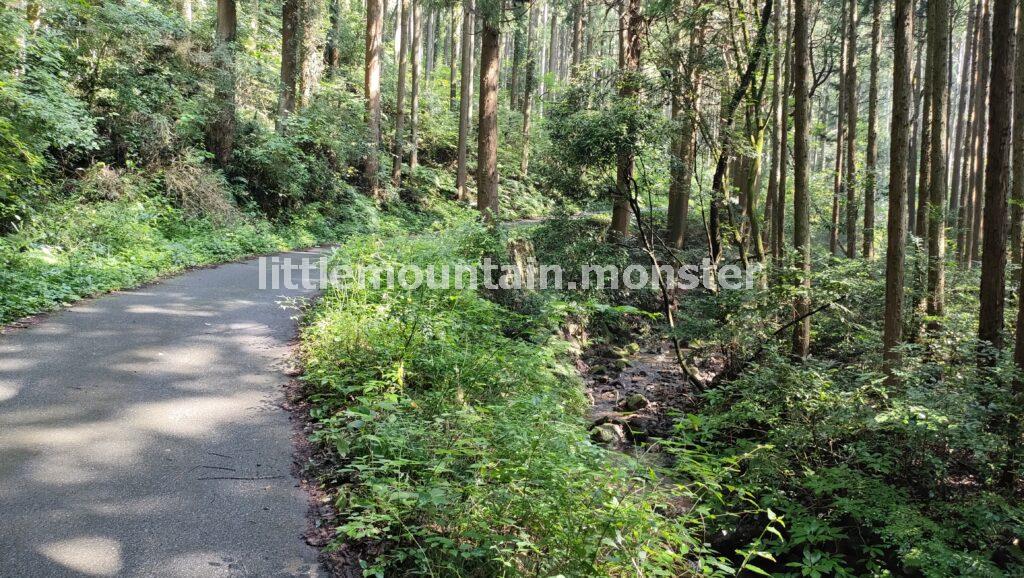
column 371, row 86
column 289, row 56
column 629, row 65
column 309, row 63
column 801, row 182
column 453, row 58
column 779, row 227
column 465, row 98
column 974, row 241
column 577, row 36
column 398, row 149
column 917, row 96
column 221, row 134
column 685, row 103
column 938, row 70
column 726, row 121
column 416, row 52
column 899, row 167
column 871, row 155
column 961, row 116
column 519, row 49
column 487, row 140
column 997, row 175
column 1018, row 144
column 838, row 182
column 924, row 169
column 851, row 131
column 528, row 83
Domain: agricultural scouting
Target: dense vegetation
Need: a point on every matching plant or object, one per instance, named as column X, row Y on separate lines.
column 855, row 412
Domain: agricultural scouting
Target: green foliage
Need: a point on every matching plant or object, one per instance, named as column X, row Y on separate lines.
column 458, row 427
column 73, row 250
column 872, row 479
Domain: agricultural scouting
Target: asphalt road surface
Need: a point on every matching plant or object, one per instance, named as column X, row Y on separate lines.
column 141, row 434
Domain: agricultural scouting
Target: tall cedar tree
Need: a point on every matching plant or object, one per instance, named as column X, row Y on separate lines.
column 938, row 63
column 899, row 167
column 801, row 182
column 997, row 175
column 371, row 86
column 221, row 134
column 487, row 137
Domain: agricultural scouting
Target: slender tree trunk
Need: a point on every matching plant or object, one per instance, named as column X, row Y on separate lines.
column 553, row 56
column 801, row 182
column 465, row 100
column 961, row 117
column 997, row 178
column 838, row 182
column 289, row 57
column 487, row 140
column 221, row 134
column 779, row 226
column 1017, row 208
column 398, row 150
column 529, row 80
column 519, row 49
column 577, row 36
column 685, row 103
column 982, row 103
column 851, row 131
column 899, row 167
column 453, row 58
column 938, row 70
column 776, row 124
column 416, row 52
column 726, row 121
column 871, row 155
column 629, row 64
column 918, row 103
column 963, row 215
column 371, row 84
column 924, row 169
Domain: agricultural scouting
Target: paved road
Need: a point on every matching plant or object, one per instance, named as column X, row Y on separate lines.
column 122, row 420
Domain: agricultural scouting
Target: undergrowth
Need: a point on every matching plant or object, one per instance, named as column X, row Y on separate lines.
column 458, row 430
column 75, row 249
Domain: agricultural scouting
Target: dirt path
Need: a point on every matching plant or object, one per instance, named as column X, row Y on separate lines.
column 141, row 434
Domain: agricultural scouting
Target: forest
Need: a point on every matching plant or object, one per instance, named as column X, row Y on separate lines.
column 853, row 410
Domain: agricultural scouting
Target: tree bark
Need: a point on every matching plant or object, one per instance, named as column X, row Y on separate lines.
column 685, row 104
column 371, row 84
column 959, row 146
column 416, row 52
column 398, row 149
column 453, row 58
column 838, row 182
column 487, row 139
column 851, row 131
column 629, row 65
column 1017, row 193
column 577, row 36
column 289, row 56
column 779, row 227
column 899, row 167
column 974, row 241
column 221, row 134
column 871, row 154
column 465, row 98
column 917, row 95
column 529, row 81
column 997, row 175
column 938, row 70
column 801, row 182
